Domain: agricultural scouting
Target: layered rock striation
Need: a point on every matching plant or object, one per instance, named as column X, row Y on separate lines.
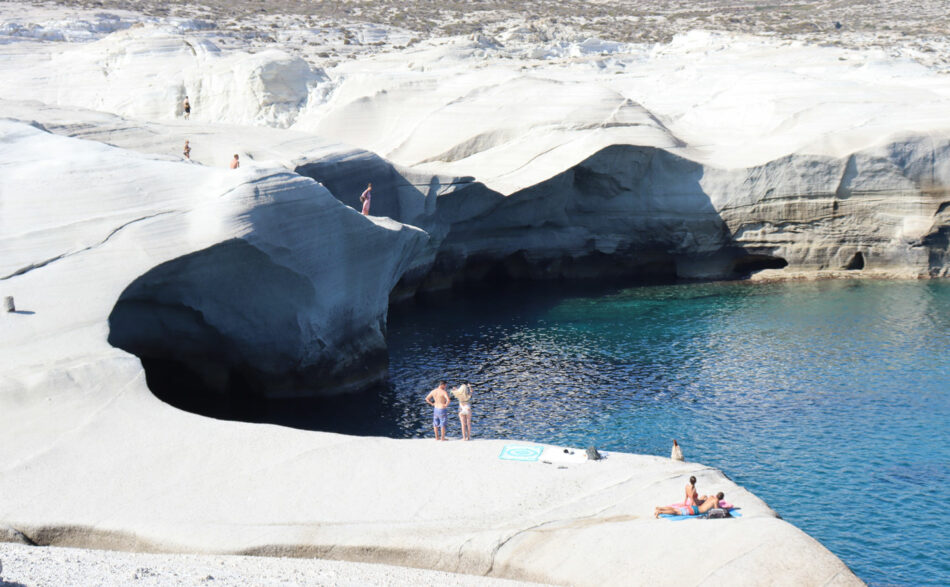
column 646, row 213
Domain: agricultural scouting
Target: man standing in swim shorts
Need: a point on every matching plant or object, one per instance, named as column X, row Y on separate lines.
column 439, row 399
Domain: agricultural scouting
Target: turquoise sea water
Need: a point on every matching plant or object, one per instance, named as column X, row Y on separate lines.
column 828, row 399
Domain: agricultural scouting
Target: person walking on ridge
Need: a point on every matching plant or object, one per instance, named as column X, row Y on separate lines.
column 186, row 106
column 439, row 399
column 187, row 151
column 366, row 197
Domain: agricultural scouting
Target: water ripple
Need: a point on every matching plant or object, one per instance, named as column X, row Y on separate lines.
column 827, row 399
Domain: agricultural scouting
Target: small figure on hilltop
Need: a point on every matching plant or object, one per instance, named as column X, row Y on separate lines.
column 235, row 163
column 186, row 151
column 439, row 399
column 186, row 106
column 677, row 454
column 366, row 197
column 463, row 393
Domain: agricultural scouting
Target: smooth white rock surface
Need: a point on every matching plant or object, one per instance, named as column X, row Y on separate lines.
column 768, row 147
column 93, row 459
column 53, row 567
column 683, row 152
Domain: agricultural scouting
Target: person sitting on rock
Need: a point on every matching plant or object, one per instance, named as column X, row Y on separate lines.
column 692, row 496
column 711, row 502
column 235, row 163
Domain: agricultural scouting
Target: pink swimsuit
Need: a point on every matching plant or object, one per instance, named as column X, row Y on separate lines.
column 366, row 197
column 690, row 497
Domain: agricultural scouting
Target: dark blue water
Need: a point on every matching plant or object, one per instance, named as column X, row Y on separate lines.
column 829, row 399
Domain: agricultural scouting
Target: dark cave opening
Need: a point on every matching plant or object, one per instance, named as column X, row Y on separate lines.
column 191, row 364
column 647, row 268
column 856, row 263
column 363, row 413
column 217, row 332
column 745, row 266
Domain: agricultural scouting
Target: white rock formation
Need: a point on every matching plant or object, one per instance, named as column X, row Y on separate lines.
column 93, row 459
column 714, row 155
column 145, row 72
column 53, row 567
column 257, row 270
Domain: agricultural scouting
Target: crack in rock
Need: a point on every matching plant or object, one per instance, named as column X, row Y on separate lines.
column 41, row 264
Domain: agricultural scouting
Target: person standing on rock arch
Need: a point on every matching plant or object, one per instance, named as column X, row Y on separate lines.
column 186, row 106
column 366, row 197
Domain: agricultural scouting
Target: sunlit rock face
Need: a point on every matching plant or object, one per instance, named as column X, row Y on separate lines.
column 712, row 156
column 145, row 72
column 647, row 213
column 707, row 158
column 294, row 306
column 258, row 275
column 879, row 210
column 538, row 153
column 702, row 158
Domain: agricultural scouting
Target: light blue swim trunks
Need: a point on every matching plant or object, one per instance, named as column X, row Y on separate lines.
column 439, row 417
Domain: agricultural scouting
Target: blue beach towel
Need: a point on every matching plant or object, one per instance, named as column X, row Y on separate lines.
column 520, row 452
column 732, row 513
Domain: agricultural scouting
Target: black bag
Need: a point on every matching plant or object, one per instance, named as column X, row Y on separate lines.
column 592, row 454
column 718, row 513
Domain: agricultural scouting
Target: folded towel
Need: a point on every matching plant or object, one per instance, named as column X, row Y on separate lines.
column 520, row 452
column 732, row 513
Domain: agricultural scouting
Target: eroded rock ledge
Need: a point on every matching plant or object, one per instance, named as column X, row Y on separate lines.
column 265, row 275
column 247, row 260
column 643, row 212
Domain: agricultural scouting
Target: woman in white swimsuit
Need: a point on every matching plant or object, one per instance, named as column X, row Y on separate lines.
column 463, row 393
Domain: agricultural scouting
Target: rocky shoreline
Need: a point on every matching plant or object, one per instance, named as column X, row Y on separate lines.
column 52, row 567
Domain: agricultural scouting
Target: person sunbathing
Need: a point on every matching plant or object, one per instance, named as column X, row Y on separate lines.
column 712, row 501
